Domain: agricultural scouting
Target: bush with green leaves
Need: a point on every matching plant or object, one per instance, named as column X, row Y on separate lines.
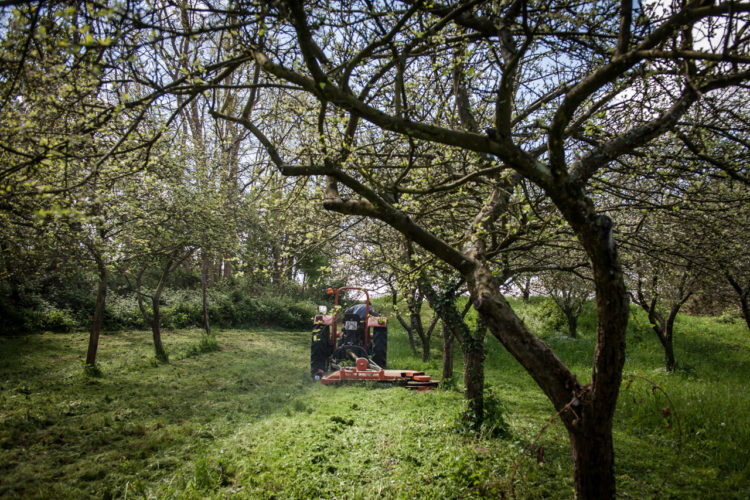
column 551, row 317
column 226, row 309
column 494, row 422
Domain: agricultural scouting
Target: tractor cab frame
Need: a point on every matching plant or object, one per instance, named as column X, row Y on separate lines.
column 363, row 340
column 361, row 334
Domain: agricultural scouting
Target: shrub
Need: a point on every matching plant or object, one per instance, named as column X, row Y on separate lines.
column 493, row 421
column 121, row 313
column 552, row 319
column 47, row 317
column 58, row 320
column 14, row 318
column 180, row 309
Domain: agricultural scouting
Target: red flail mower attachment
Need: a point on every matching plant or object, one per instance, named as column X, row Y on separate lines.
column 361, row 337
column 365, row 370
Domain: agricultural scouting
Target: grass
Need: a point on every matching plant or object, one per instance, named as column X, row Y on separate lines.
column 236, row 415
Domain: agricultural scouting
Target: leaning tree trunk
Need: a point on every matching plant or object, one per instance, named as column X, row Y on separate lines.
column 666, row 339
column 586, row 411
column 745, row 309
column 98, row 319
column 743, row 296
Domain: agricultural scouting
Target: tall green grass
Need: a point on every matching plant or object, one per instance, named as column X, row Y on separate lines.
column 238, row 416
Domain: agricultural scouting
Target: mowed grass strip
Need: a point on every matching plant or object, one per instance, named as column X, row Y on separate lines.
column 245, row 421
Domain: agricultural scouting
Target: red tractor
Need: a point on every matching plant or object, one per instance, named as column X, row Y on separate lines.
column 361, row 338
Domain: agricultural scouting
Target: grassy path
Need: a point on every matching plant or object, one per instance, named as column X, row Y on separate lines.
column 246, row 422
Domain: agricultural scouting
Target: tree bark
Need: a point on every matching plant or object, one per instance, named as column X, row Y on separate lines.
column 668, row 344
column 154, row 318
column 668, row 341
column 407, row 327
column 472, row 344
column 447, row 353
column 204, row 292
column 473, row 347
column 96, row 323
column 161, row 354
column 664, row 328
column 424, row 337
column 593, row 458
column 742, row 295
column 586, row 411
column 572, row 323
column 745, row 310
column 228, row 269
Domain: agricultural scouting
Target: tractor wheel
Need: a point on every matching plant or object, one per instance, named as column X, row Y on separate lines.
column 380, row 346
column 320, row 351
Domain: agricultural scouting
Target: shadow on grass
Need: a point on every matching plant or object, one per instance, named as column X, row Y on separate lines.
column 65, row 434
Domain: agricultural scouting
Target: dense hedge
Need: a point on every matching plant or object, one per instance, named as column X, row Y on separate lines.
column 179, row 309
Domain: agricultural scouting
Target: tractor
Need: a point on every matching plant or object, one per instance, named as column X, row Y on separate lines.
column 362, row 340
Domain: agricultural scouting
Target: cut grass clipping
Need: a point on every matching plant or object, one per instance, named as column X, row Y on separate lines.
column 236, row 415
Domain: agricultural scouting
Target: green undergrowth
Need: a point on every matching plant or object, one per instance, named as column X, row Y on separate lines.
column 235, row 415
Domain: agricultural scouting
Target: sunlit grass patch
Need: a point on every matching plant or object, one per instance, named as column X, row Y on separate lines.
column 243, row 419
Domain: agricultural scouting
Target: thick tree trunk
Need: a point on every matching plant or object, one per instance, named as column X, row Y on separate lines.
column 591, row 438
column 593, row 458
column 96, row 323
column 447, row 352
column 474, row 378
